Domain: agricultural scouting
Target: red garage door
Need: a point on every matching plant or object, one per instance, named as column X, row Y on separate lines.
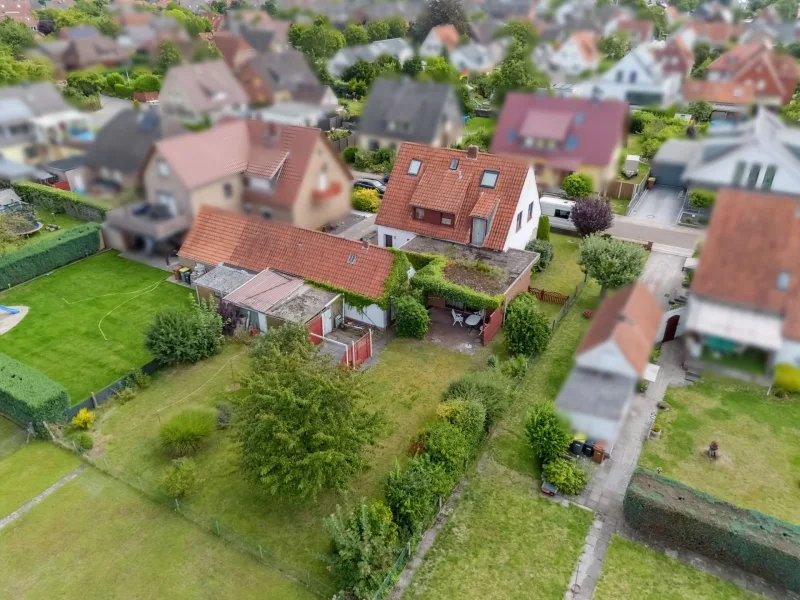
column 315, row 327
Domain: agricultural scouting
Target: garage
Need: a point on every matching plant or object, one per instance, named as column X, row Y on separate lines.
column 669, row 163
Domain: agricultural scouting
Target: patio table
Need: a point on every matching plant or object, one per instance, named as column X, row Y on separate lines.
column 472, row 320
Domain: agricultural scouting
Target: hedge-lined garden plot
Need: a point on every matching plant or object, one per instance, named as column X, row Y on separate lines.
column 85, row 327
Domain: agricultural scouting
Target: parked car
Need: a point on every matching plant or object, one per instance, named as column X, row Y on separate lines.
column 370, row 184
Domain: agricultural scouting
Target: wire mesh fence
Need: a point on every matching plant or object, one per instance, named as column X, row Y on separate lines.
column 15, row 442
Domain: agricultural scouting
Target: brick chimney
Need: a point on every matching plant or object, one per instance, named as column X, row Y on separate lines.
column 472, row 152
column 365, row 244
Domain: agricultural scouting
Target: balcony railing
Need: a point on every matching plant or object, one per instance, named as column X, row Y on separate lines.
column 149, row 220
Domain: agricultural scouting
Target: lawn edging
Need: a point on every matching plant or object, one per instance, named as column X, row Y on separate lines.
column 109, row 392
column 680, row 515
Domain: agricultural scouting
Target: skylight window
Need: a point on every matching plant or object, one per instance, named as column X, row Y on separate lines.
column 454, row 164
column 413, row 168
column 572, row 142
column 783, row 281
column 489, row 179
column 351, row 260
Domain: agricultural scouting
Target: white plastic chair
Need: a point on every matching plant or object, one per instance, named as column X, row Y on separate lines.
column 457, row 318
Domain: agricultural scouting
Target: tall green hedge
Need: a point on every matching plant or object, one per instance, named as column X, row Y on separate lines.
column 27, row 396
column 52, row 252
column 430, row 279
column 62, row 202
column 685, row 517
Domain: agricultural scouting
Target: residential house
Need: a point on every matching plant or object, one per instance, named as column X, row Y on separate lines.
column 143, row 36
column 220, row 236
column 20, row 12
column 440, row 40
column 674, row 16
column 729, row 99
column 466, row 197
column 484, row 31
column 676, row 55
column 347, row 57
column 761, row 153
column 561, row 136
column 235, row 50
column 260, row 31
column 744, row 314
column 281, row 77
column 639, row 79
column 476, row 58
column 714, row 12
column 85, row 53
column 639, row 30
column 578, row 54
column 612, row 358
column 70, row 172
column 194, row 92
column 280, row 172
column 714, row 33
column 401, row 109
column 79, row 32
column 774, row 76
column 295, row 113
column 570, row 17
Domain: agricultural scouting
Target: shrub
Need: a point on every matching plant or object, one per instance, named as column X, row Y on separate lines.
column 543, row 231
column 448, row 446
column 125, row 395
column 566, row 475
column 61, row 202
column 468, row 415
column 224, row 415
column 650, row 148
column 639, row 120
column 27, row 396
column 515, row 368
column 545, row 251
column 363, row 546
column 290, row 339
column 366, row 200
column 787, row 377
column 52, row 252
column 123, row 91
column 412, row 493
column 527, row 330
column 490, row 388
column 185, row 335
column 82, row 440
column 84, row 419
column 412, row 318
column 493, row 361
column 187, row 432
column 592, row 215
column 548, row 433
column 577, row 185
column 700, row 110
column 179, row 478
column 363, row 160
column 641, row 386
column 140, row 379
column 700, row 198
column 349, row 154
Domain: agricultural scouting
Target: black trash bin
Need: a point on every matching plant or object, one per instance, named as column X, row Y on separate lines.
column 576, row 448
column 588, row 448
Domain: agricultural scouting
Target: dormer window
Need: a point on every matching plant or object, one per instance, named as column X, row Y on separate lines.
column 489, row 179
column 454, row 164
column 414, row 167
column 419, row 214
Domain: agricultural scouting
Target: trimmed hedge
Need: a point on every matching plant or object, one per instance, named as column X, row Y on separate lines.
column 430, row 279
column 682, row 516
column 28, row 396
column 62, row 202
column 700, row 198
column 52, row 252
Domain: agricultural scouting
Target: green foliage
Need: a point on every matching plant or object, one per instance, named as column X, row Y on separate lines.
column 16, row 70
column 412, row 493
column 543, row 231
column 291, row 339
column 301, row 427
column 27, row 396
column 363, row 546
column 566, row 475
column 316, row 41
column 438, row 69
column 613, row 263
column 515, row 73
column 125, row 395
column 82, row 440
column 787, row 9
column 179, row 478
column 787, row 377
column 123, row 91
column 366, row 200
column 448, row 446
column 616, row 45
column 548, row 433
column 205, row 51
column 147, row 82
column 349, row 154
column 355, row 35
column 412, row 318
column 442, row 12
column 577, row 185
column 224, row 415
column 398, row 27
column 546, row 253
column 377, row 30
column 701, row 198
column 15, row 36
column 360, row 70
column 53, row 252
column 527, row 329
column 413, row 66
column 185, row 335
column 84, row 419
column 515, row 367
column 522, row 31
column 61, row 202
column 168, row 56
column 469, row 416
column 489, row 388
column 187, row 432
column 700, row 110
column 650, row 148
column 430, row 279
column 140, row 379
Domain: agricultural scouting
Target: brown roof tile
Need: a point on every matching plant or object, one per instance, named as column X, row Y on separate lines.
column 724, row 92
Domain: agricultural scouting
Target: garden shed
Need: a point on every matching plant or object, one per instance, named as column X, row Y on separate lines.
column 221, row 281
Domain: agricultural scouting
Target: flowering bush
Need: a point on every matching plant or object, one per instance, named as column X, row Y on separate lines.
column 588, row 314
column 84, row 419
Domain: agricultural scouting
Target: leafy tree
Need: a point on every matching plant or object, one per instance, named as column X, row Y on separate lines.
column 358, row 88
column 46, row 26
column 515, row 73
column 17, row 37
column 440, row 12
column 270, row 7
column 577, row 185
column 363, row 546
column 613, row 263
column 548, row 433
column 168, row 56
column 616, row 45
column 301, row 426
column 205, row 51
column 522, row 31
column 398, row 27
column 592, row 215
column 491, row 389
column 658, row 16
column 700, row 110
column 289, row 339
column 185, row 335
column 412, row 492
column 527, row 330
column 413, row 66
column 543, row 230
column 108, row 26
column 219, row 7
column 482, row 84
column 319, row 41
column 377, row 30
column 650, row 148
column 355, row 35
column 702, row 51
column 465, row 99
column 412, row 317
column 439, row 70
column 147, row 83
column 685, row 6
column 794, row 49
column 787, row 9
column 295, row 34
column 88, row 83
column 388, row 64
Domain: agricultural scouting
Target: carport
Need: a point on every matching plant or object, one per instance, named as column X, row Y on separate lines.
column 670, row 162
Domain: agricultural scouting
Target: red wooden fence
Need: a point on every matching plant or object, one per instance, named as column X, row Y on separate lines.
column 315, row 326
column 550, row 297
column 492, row 325
column 358, row 352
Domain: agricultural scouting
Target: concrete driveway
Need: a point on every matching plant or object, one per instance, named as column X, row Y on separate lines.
column 660, row 205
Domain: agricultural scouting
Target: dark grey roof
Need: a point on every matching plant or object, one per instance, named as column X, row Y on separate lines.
column 224, row 279
column 415, row 107
column 41, row 98
column 260, row 40
column 302, row 304
column 595, row 393
column 66, row 164
column 123, row 143
column 284, row 70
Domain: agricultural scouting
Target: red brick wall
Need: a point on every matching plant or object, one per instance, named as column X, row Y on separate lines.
column 521, row 285
column 492, row 326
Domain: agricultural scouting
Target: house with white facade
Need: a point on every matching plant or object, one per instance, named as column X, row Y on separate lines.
column 759, row 154
column 577, row 54
column 347, row 57
column 440, row 39
column 744, row 306
column 478, row 58
column 639, row 78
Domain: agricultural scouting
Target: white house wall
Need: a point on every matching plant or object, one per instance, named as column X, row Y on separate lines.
column 518, row 239
column 399, row 236
column 682, row 313
column 372, row 315
column 789, row 353
column 608, row 358
column 570, row 59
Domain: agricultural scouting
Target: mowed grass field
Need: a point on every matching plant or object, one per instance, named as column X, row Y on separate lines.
column 86, row 323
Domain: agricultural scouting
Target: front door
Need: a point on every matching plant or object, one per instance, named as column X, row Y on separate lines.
column 387, row 241
column 327, row 321
column 672, row 327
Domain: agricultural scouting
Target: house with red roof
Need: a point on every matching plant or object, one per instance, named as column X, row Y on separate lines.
column 639, row 30
column 561, row 136
column 728, row 99
column 440, row 39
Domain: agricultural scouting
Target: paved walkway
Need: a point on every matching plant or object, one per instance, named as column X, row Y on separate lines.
column 31, row 503
column 662, row 204
column 663, row 273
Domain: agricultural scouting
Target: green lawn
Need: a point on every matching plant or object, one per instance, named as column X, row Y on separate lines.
column 633, row 571
column 503, row 542
column 96, row 538
column 475, row 124
column 619, row 206
column 61, row 335
column 406, row 384
column 354, row 106
column 7, row 429
column 563, row 274
column 29, row 471
column 63, row 221
column 759, row 462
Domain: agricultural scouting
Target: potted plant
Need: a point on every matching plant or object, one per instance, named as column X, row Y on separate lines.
column 651, row 181
column 655, row 432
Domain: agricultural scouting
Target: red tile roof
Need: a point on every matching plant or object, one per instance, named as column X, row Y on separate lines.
column 257, row 244
column 586, row 42
column 752, row 239
column 230, row 45
column 639, row 29
column 448, row 35
column 723, row 92
column 457, row 191
column 630, row 318
column 774, row 75
column 598, row 132
column 716, row 33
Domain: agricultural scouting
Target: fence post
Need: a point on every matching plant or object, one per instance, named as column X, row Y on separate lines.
column 94, row 401
column 75, row 447
column 177, row 505
column 260, row 552
column 217, row 524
